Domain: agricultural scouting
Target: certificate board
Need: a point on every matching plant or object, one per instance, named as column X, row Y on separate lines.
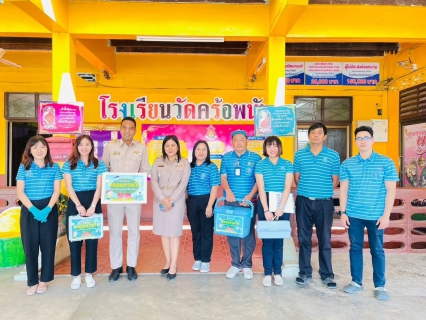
column 119, row 188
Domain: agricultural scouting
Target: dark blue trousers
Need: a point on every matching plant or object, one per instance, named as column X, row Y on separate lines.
column 375, row 239
column 318, row 213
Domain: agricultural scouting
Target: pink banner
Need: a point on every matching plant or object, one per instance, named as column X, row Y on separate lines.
column 414, row 154
column 56, row 117
column 217, row 136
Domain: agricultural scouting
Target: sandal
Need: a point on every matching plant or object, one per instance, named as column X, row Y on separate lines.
column 32, row 290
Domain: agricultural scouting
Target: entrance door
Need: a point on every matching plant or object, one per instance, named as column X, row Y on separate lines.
column 18, row 135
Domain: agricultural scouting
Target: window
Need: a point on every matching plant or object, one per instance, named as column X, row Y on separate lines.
column 23, row 106
column 412, row 103
column 334, row 112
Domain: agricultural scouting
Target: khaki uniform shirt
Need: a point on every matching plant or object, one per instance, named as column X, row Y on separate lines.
column 119, row 157
column 170, row 177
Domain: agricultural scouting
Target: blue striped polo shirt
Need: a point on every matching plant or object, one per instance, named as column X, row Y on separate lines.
column 367, row 191
column 274, row 174
column 39, row 181
column 243, row 184
column 84, row 178
column 315, row 172
column 202, row 179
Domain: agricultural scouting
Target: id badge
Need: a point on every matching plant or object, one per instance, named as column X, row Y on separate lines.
column 237, row 171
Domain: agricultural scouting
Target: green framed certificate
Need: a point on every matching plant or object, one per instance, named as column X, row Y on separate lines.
column 118, row 188
column 83, row 228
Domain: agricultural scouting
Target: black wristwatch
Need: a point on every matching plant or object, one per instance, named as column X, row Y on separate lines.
column 342, row 212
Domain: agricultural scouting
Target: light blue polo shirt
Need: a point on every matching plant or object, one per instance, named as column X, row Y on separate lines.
column 315, row 172
column 367, row 191
column 84, row 178
column 39, row 181
column 274, row 175
column 243, row 184
column 202, row 179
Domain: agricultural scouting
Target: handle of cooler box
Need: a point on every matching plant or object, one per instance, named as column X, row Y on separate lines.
column 236, row 200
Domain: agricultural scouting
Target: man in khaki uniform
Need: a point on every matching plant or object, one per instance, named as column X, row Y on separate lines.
column 125, row 155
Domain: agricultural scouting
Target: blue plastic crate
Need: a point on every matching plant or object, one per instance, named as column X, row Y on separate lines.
column 273, row 229
column 232, row 221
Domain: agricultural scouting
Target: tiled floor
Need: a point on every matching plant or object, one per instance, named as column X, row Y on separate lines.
column 151, row 258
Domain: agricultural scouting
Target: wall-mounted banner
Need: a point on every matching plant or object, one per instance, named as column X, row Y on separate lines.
column 323, row 73
column 295, row 73
column 180, row 109
column 360, row 73
column 218, row 136
column 124, row 188
column 275, row 121
column 414, row 155
column 56, row 117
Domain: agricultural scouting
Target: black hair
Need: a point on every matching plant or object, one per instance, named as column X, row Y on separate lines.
column 176, row 140
column 316, row 126
column 269, row 141
column 128, row 119
column 364, row 128
column 194, row 159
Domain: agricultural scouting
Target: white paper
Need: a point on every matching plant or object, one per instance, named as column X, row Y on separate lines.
column 275, row 200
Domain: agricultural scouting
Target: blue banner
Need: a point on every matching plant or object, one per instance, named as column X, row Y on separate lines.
column 275, row 121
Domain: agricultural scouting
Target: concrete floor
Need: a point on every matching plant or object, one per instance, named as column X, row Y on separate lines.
column 212, row 296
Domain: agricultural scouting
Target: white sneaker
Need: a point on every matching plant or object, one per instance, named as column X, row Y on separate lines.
column 197, row 265
column 248, row 273
column 205, row 267
column 278, row 280
column 76, row 283
column 267, row 281
column 90, row 282
column 232, row 272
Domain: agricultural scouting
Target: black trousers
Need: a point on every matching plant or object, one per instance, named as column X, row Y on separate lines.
column 201, row 227
column 91, row 264
column 39, row 236
column 318, row 213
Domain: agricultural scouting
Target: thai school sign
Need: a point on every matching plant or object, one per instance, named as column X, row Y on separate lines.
column 179, row 109
column 364, row 73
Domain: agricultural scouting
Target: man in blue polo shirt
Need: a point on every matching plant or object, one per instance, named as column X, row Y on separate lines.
column 238, row 181
column 367, row 193
column 316, row 174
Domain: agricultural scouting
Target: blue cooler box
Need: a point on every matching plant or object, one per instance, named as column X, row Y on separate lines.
column 273, row 229
column 232, row 220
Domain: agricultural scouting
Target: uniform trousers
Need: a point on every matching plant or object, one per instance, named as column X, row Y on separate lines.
column 248, row 243
column 318, row 212
column 39, row 236
column 116, row 214
column 91, row 262
column 201, row 227
column 272, row 249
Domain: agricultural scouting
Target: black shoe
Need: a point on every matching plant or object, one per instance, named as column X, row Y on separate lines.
column 171, row 276
column 164, row 271
column 131, row 273
column 115, row 274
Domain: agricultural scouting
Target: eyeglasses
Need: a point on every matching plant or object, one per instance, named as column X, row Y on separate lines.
column 364, row 138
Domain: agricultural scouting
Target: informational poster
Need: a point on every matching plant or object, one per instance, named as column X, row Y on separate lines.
column 56, row 117
column 294, row 73
column 414, row 154
column 83, row 228
column 361, row 73
column 101, row 138
column 124, row 188
column 217, row 136
column 275, row 121
column 323, row 73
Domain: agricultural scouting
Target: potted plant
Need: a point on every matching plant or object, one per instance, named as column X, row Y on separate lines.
column 62, row 204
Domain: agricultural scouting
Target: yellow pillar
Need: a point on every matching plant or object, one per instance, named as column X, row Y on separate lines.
column 275, row 68
column 63, row 64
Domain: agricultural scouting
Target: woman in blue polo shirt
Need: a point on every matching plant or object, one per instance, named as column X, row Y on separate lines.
column 83, row 178
column 273, row 174
column 202, row 192
column 38, row 185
